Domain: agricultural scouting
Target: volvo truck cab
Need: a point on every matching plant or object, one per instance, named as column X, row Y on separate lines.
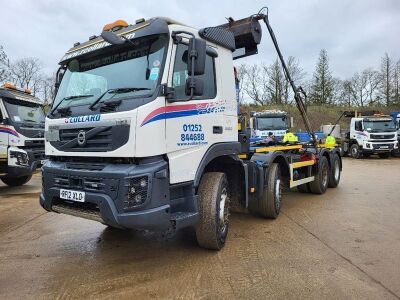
column 21, row 135
column 371, row 134
column 264, row 122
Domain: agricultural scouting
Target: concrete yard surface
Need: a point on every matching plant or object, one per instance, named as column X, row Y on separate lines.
column 344, row 244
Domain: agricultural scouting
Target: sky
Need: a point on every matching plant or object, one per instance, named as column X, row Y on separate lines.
column 355, row 33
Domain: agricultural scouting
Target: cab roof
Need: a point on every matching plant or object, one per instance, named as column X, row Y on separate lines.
column 18, row 95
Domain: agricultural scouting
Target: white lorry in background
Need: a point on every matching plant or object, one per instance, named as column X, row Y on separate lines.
column 21, row 135
column 369, row 133
column 264, row 122
column 396, row 119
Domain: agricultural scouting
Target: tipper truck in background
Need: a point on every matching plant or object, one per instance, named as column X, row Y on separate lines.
column 144, row 134
column 369, row 133
column 21, row 135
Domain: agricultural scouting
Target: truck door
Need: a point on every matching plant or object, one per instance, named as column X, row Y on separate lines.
column 191, row 125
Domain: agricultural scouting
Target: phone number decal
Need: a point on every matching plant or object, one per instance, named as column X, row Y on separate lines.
column 192, row 134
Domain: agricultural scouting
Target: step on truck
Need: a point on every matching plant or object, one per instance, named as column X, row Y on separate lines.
column 144, row 132
column 22, row 121
column 369, row 133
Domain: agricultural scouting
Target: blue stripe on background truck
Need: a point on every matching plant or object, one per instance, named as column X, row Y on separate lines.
column 144, row 133
column 21, row 135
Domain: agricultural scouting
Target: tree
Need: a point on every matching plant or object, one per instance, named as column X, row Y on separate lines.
column 253, row 85
column 322, row 83
column 396, row 84
column 386, row 78
column 297, row 74
column 359, row 89
column 372, row 84
column 275, row 84
column 347, row 93
column 4, row 65
column 25, row 73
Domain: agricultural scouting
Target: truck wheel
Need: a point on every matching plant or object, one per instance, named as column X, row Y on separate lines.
column 384, row 155
column 16, row 181
column 320, row 183
column 212, row 228
column 269, row 205
column 355, row 151
column 334, row 175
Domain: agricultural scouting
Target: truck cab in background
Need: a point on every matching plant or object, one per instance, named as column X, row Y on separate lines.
column 21, row 135
column 264, row 122
column 396, row 119
column 370, row 134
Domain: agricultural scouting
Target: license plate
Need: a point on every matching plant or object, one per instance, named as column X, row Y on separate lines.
column 384, row 147
column 72, row 195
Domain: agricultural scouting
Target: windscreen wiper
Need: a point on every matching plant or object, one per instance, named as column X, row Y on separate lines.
column 69, row 98
column 118, row 91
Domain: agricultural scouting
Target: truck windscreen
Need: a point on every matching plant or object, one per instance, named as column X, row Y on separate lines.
column 375, row 126
column 24, row 112
column 136, row 69
column 271, row 123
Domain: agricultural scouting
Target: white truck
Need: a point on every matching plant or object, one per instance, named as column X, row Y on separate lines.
column 370, row 133
column 143, row 133
column 21, row 135
column 274, row 121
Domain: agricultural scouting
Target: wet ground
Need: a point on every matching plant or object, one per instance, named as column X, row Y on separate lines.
column 344, row 244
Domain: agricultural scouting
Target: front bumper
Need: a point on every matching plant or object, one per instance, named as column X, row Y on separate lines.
column 32, row 162
column 374, row 147
column 107, row 192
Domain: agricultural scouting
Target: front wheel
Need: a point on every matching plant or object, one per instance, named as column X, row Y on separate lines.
column 16, row 181
column 355, row 151
column 212, row 228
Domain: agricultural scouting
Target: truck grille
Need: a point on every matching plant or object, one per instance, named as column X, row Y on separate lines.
column 382, row 136
column 96, row 139
column 90, row 184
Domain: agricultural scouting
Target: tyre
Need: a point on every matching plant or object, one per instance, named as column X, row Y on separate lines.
column 16, row 181
column 320, row 183
column 334, row 174
column 304, row 188
column 384, row 155
column 212, row 228
column 269, row 204
column 355, row 151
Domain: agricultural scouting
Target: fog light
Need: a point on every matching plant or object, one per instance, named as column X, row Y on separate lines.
column 138, row 199
column 368, row 145
column 132, row 190
column 143, row 183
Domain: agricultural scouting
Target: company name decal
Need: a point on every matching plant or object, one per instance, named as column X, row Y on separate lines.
column 177, row 111
column 83, row 119
column 8, row 131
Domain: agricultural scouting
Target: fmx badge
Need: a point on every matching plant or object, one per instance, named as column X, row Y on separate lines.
column 83, row 119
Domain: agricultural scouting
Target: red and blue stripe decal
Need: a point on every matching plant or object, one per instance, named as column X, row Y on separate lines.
column 178, row 111
column 9, row 131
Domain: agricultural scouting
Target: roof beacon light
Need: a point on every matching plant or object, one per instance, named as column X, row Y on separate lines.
column 9, row 85
column 115, row 26
column 28, row 91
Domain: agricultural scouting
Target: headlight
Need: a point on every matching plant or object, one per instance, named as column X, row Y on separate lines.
column 22, row 158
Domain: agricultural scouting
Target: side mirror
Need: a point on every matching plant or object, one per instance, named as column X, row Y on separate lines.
column 112, row 38
column 197, row 57
column 194, row 86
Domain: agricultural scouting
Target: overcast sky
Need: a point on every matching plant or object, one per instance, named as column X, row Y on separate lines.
column 356, row 33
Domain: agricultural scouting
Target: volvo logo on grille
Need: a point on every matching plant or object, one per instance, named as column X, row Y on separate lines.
column 81, row 138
